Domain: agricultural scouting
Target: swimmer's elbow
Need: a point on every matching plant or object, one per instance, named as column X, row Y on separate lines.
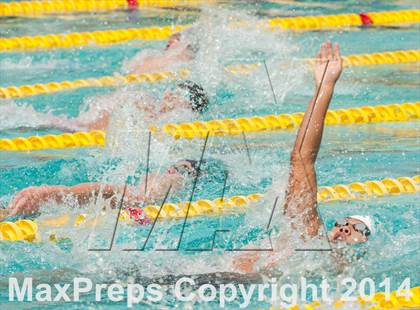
column 303, row 157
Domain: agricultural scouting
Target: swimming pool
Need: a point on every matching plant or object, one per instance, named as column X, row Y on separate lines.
column 350, row 153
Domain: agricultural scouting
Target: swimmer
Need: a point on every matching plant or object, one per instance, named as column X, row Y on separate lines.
column 180, row 49
column 301, row 195
column 187, row 95
column 31, row 199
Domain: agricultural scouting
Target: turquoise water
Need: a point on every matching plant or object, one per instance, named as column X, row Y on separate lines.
column 348, row 154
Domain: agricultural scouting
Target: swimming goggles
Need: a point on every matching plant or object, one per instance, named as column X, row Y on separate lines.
column 185, row 170
column 359, row 227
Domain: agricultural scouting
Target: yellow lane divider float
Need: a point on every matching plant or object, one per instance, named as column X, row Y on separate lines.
column 67, row 40
column 345, row 20
column 155, row 33
column 160, row 33
column 340, row 192
column 105, row 81
column 20, row 230
column 394, row 57
column 403, row 299
column 33, row 8
column 223, row 127
column 28, row 230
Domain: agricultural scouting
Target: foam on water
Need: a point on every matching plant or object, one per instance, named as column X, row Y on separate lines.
column 224, row 43
column 28, row 62
column 11, row 116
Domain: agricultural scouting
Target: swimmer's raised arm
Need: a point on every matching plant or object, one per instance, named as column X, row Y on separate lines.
column 301, row 194
column 300, row 204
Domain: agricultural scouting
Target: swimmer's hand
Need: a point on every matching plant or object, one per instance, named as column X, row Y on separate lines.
column 30, row 199
column 328, row 54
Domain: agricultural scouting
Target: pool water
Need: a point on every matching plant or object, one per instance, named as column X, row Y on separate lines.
column 348, row 154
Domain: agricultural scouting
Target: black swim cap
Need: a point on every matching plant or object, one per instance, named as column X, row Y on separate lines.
column 185, row 171
column 210, row 170
column 197, row 96
column 195, row 165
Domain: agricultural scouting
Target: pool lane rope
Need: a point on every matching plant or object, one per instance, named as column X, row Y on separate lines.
column 361, row 115
column 35, row 8
column 378, row 301
column 28, row 230
column 345, row 20
column 20, row 230
column 223, row 127
column 392, row 57
column 339, row 192
column 238, row 204
column 75, row 39
column 105, row 81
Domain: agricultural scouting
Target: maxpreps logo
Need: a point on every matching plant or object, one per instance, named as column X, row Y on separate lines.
column 186, row 290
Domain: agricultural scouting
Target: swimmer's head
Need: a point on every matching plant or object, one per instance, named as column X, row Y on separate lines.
column 186, row 168
column 352, row 229
column 184, row 41
column 209, row 170
column 187, row 95
column 197, row 97
column 173, row 40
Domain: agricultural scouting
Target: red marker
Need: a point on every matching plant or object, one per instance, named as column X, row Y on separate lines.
column 132, row 4
column 138, row 216
column 365, row 18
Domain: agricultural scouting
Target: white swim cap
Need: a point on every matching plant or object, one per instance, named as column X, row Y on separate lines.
column 367, row 220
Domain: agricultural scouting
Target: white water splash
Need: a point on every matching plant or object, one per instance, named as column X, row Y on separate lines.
column 28, row 62
column 13, row 116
